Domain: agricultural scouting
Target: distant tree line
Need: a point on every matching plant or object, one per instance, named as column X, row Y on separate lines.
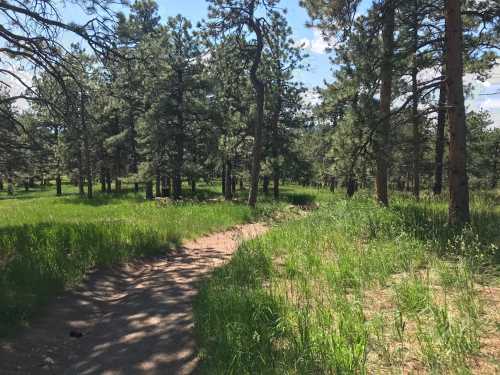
column 157, row 103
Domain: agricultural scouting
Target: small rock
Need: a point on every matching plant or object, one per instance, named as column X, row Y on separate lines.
column 49, row 361
column 75, row 334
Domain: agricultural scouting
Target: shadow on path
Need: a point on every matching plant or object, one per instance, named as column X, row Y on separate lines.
column 135, row 319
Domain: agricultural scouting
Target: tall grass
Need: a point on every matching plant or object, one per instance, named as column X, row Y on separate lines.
column 354, row 288
column 49, row 243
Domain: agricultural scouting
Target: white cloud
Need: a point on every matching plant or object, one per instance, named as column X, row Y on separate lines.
column 491, row 103
column 311, row 97
column 16, row 86
column 317, row 45
column 428, row 74
column 494, row 75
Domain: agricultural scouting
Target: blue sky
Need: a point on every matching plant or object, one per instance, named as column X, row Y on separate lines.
column 320, row 68
column 297, row 16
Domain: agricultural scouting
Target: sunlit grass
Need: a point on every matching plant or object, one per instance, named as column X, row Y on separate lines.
column 356, row 288
column 48, row 243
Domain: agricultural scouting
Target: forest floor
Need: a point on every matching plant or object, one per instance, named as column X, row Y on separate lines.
column 130, row 319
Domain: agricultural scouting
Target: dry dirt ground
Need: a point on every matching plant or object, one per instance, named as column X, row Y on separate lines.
column 133, row 319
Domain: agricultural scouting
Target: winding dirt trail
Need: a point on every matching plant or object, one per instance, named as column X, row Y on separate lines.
column 135, row 319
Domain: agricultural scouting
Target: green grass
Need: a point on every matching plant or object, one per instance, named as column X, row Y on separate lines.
column 48, row 243
column 355, row 288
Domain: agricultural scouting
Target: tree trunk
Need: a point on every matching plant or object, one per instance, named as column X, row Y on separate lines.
column 258, row 86
column 223, row 179
column 332, row 184
column 384, row 127
column 242, row 187
column 193, row 185
column 439, row 150
column 275, row 141
column 86, row 146
column 118, row 185
column 158, row 185
column 494, row 172
column 103, row 181
column 10, row 186
column 177, row 187
column 164, row 187
column 233, row 184
column 228, row 188
column 1, row 183
column 415, row 101
column 351, row 187
column 169, row 186
column 265, row 185
column 458, row 209
column 132, row 142
column 179, row 138
column 108, row 183
column 90, row 190
column 149, row 190
column 81, row 183
column 58, row 185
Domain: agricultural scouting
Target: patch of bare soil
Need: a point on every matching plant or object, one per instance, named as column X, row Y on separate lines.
column 132, row 319
column 388, row 353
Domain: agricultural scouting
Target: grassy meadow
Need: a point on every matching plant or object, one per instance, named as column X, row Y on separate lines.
column 48, row 243
column 355, row 288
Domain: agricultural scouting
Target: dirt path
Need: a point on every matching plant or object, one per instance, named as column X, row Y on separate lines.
column 135, row 319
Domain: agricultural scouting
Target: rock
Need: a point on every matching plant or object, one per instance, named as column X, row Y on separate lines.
column 49, row 361
column 75, row 334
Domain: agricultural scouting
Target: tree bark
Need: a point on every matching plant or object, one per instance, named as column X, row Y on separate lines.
column 158, row 185
column 164, row 187
column 415, row 101
column 179, row 138
column 439, row 149
column 332, row 184
column 108, row 183
column 58, row 185
column 265, row 184
column 258, row 86
column 58, row 163
column 149, row 190
column 223, row 179
column 233, row 184
column 86, row 145
column 458, row 209
column 90, row 187
column 275, row 141
column 169, row 186
column 494, row 172
column 103, row 180
column 81, row 183
column 352, row 186
column 228, row 188
column 384, row 128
